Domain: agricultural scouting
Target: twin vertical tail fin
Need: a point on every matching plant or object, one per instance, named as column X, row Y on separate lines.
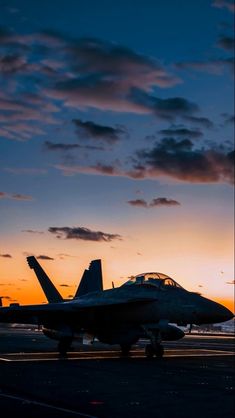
column 52, row 294
column 91, row 280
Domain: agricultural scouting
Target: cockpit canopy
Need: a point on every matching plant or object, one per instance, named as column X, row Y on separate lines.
column 159, row 280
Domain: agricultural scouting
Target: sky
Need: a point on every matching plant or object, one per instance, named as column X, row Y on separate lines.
column 117, row 142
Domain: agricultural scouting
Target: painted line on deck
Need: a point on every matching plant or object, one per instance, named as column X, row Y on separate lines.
column 46, row 405
column 32, row 357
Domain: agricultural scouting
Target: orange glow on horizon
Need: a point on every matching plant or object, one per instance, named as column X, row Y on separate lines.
column 228, row 303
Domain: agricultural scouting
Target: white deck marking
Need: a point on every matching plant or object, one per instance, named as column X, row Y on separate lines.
column 46, row 405
column 101, row 355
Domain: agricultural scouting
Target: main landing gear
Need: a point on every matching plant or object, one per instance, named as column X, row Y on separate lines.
column 155, row 348
column 125, row 350
column 64, row 345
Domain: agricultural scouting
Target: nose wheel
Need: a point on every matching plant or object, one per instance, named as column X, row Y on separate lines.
column 64, row 345
column 125, row 350
column 155, row 348
column 151, row 350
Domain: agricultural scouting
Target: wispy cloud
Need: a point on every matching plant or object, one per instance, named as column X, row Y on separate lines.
column 159, row 201
column 26, row 171
column 64, row 147
column 214, row 66
column 226, row 4
column 44, row 257
column 82, row 233
column 32, row 231
column 180, row 132
column 15, row 196
column 6, row 255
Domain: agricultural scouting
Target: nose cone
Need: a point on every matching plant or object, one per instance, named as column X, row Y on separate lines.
column 213, row 312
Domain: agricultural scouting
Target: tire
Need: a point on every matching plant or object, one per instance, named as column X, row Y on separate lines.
column 149, row 351
column 159, row 351
column 125, row 349
column 63, row 346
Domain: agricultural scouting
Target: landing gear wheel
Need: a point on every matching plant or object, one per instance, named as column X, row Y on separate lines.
column 125, row 350
column 149, row 351
column 64, row 345
column 159, row 351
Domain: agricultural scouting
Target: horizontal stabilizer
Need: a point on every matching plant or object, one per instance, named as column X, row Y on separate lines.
column 48, row 288
column 92, row 280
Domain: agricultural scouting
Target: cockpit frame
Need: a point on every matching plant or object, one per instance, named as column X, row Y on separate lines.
column 154, row 279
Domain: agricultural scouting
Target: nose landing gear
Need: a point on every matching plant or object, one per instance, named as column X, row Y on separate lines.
column 64, row 345
column 155, row 348
column 125, row 350
column 151, row 350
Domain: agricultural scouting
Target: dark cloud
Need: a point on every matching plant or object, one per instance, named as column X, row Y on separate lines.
column 178, row 159
column 91, row 130
column 181, row 133
column 44, row 257
column 82, row 73
column 201, row 121
column 167, row 109
column 64, row 285
column 104, row 75
column 81, row 233
column 182, row 161
column 6, row 255
column 138, row 202
column 159, row 201
column 226, row 43
column 52, row 146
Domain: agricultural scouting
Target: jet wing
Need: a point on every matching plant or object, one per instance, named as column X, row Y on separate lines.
column 33, row 314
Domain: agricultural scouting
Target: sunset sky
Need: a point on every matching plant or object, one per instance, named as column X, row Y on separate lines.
column 117, row 142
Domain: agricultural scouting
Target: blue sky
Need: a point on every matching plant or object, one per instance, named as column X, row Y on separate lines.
column 117, row 130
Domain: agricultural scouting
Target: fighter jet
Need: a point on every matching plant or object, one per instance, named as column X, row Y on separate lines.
column 144, row 306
